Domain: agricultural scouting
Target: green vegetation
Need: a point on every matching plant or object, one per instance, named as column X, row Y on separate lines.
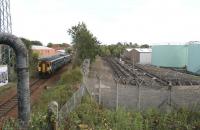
column 64, row 89
column 112, row 50
column 89, row 115
column 33, row 57
column 49, row 44
column 117, row 49
column 61, row 92
column 84, row 43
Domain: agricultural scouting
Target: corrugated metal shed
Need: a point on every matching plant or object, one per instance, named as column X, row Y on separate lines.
column 141, row 55
column 169, row 55
column 193, row 58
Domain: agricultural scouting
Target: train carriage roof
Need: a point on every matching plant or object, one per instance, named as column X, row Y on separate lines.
column 52, row 58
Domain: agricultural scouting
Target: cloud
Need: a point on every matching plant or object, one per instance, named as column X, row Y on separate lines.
column 142, row 21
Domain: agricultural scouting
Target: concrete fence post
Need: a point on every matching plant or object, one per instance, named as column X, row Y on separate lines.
column 52, row 116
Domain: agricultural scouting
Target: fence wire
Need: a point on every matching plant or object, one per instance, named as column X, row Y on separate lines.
column 104, row 90
column 76, row 98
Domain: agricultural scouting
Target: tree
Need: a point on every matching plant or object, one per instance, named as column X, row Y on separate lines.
column 68, row 50
column 33, row 57
column 36, row 43
column 49, row 44
column 85, row 44
column 144, row 46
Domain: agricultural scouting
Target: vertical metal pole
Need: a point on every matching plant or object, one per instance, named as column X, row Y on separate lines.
column 139, row 97
column 133, row 61
column 99, row 90
column 74, row 100
column 117, row 96
column 170, row 95
column 138, row 85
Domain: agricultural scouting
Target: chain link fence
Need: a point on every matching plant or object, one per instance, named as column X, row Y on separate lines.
column 76, row 98
column 72, row 103
column 111, row 94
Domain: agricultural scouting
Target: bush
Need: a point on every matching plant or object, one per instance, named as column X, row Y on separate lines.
column 89, row 114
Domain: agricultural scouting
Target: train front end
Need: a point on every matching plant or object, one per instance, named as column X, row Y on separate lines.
column 44, row 69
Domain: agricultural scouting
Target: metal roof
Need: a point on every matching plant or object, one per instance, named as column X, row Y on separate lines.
column 129, row 49
column 41, row 47
column 144, row 50
column 53, row 58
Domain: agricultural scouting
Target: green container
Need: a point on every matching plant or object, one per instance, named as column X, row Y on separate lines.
column 170, row 55
column 193, row 58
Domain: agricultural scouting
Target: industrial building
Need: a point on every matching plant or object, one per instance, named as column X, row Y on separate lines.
column 44, row 51
column 177, row 56
column 138, row 55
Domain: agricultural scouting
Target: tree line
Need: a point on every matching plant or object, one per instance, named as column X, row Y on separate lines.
column 86, row 45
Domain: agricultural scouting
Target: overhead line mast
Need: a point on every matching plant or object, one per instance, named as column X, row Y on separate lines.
column 6, row 54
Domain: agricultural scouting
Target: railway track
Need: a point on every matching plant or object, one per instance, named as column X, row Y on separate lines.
column 11, row 103
column 167, row 76
column 126, row 74
column 172, row 77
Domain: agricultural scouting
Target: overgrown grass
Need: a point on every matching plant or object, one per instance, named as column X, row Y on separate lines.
column 64, row 89
column 89, row 115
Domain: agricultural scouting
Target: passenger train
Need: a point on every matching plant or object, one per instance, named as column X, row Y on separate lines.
column 49, row 65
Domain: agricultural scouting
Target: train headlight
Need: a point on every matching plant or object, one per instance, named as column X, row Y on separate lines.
column 48, row 68
column 39, row 68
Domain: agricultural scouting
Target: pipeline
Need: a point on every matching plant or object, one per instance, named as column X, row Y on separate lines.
column 23, row 92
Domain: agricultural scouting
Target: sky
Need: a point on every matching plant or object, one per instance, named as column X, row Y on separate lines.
column 111, row 21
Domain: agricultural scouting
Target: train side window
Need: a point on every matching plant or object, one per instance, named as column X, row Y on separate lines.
column 39, row 64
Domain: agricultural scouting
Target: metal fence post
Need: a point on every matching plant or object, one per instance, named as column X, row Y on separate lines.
column 170, row 94
column 117, row 93
column 99, row 90
column 74, row 95
column 139, row 94
column 99, row 79
column 138, row 97
column 117, row 100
